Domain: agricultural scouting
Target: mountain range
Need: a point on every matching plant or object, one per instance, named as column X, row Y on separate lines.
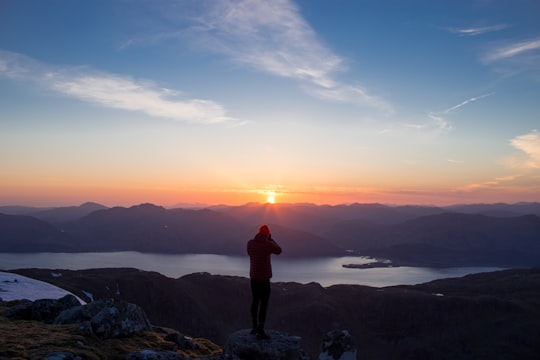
column 505, row 235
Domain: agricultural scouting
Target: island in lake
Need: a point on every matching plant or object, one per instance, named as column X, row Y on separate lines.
column 371, row 265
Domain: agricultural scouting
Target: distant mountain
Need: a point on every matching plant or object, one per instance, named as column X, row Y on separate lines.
column 499, row 209
column 482, row 316
column 20, row 210
column 20, row 233
column 61, row 215
column 55, row 215
column 448, row 240
column 150, row 228
column 319, row 218
column 408, row 235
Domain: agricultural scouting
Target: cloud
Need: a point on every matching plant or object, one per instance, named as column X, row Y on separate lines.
column 515, row 58
column 496, row 182
column 473, row 31
column 529, row 144
column 512, row 50
column 113, row 91
column 463, row 103
column 439, row 122
column 526, row 166
column 438, row 119
column 272, row 36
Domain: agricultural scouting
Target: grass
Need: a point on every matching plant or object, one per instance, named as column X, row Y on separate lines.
column 21, row 339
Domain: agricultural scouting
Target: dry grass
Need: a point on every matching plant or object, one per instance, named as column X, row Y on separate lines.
column 20, row 339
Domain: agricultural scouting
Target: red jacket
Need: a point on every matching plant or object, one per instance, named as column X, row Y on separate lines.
column 259, row 250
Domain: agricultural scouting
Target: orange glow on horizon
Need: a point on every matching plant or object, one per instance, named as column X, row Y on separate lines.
column 52, row 195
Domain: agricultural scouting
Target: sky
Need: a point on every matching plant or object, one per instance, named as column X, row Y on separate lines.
column 184, row 102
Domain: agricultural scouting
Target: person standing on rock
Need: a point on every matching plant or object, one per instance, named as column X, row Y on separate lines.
column 260, row 249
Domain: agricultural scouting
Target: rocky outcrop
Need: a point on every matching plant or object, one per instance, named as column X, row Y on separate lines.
column 44, row 310
column 243, row 345
column 105, row 329
column 338, row 345
column 107, row 318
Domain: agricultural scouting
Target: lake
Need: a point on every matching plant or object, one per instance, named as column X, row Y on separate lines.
column 325, row 271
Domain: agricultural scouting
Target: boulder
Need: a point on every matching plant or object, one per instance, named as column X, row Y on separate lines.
column 44, row 310
column 338, row 345
column 242, row 345
column 107, row 318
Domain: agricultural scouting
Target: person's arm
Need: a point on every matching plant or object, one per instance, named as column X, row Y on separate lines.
column 248, row 248
column 274, row 247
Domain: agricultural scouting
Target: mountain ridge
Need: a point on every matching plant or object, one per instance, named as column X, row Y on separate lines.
column 411, row 235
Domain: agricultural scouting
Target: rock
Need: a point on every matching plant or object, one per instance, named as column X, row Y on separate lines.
column 21, row 311
column 242, row 345
column 63, row 355
column 44, row 310
column 107, row 318
column 338, row 345
column 155, row 355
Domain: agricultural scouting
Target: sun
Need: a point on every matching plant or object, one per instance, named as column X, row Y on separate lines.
column 271, row 197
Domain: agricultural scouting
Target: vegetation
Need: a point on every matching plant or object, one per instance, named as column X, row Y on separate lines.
column 21, row 339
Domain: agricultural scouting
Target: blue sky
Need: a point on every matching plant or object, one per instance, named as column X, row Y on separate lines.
column 121, row 102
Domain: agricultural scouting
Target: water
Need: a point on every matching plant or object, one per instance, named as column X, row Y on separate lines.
column 326, row 271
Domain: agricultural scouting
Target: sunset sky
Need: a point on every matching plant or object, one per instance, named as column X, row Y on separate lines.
column 225, row 102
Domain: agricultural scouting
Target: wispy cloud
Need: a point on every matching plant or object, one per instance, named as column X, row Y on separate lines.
column 529, row 145
column 273, row 37
column 512, row 50
column 463, row 103
column 474, row 31
column 438, row 119
column 526, row 166
column 496, row 182
column 113, row 91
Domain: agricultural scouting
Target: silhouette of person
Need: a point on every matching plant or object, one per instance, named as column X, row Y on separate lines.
column 260, row 249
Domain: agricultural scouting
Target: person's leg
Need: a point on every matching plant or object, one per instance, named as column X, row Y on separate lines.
column 264, row 298
column 255, row 301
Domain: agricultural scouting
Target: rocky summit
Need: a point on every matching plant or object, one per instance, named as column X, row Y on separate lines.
column 279, row 346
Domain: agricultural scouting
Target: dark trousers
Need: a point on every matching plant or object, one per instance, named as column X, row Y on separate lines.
column 260, row 293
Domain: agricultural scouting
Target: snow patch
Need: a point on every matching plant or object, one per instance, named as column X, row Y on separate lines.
column 17, row 287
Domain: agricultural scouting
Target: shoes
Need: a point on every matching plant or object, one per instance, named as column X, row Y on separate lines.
column 261, row 335
column 259, row 332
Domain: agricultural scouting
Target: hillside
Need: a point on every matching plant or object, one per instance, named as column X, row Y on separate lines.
column 482, row 316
